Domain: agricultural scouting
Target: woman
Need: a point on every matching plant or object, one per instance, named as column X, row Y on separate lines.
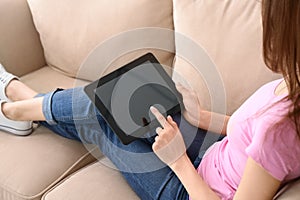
column 255, row 158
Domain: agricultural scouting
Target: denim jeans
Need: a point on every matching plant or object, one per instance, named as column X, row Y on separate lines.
column 71, row 114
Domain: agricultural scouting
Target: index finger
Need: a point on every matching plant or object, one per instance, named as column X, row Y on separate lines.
column 160, row 118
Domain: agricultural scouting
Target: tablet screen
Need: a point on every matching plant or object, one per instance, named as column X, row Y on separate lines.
column 129, row 96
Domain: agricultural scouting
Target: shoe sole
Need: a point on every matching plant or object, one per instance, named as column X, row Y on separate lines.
column 20, row 132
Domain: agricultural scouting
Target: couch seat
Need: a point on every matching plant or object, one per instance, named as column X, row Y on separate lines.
column 96, row 181
column 32, row 165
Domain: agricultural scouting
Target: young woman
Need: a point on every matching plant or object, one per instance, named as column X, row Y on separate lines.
column 260, row 152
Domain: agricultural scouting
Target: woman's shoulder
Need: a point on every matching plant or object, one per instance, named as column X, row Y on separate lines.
column 262, row 98
column 268, row 89
column 272, row 84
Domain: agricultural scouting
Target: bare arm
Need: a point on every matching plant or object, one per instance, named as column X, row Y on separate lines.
column 170, row 148
column 256, row 183
column 192, row 181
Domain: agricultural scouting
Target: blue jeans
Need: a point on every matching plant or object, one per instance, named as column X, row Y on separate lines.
column 71, row 114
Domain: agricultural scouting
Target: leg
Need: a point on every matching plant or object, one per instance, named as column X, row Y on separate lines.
column 72, row 111
column 24, row 106
column 74, row 116
column 17, row 91
column 12, row 89
column 25, row 110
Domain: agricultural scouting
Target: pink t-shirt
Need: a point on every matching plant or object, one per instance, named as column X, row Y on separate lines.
column 248, row 135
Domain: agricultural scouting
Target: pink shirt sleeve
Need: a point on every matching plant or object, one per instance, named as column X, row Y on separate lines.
column 276, row 149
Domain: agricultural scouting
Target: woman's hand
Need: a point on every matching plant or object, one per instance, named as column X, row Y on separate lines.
column 170, row 148
column 191, row 104
column 169, row 145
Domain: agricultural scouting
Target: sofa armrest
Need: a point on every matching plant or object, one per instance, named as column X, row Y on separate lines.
column 20, row 47
column 290, row 191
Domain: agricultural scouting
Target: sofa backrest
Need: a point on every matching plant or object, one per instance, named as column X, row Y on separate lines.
column 230, row 32
column 70, row 30
column 20, row 48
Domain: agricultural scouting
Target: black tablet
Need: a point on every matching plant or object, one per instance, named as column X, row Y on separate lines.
column 124, row 97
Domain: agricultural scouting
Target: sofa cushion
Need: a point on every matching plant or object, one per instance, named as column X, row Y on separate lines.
column 289, row 191
column 31, row 165
column 48, row 79
column 230, row 32
column 20, row 47
column 97, row 181
column 70, row 30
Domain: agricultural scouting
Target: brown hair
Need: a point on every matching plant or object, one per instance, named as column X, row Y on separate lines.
column 281, row 47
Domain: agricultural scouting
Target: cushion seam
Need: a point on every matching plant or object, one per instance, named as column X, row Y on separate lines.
column 57, row 180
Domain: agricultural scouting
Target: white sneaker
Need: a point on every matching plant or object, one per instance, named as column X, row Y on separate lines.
column 2, row 69
column 21, row 128
column 5, row 79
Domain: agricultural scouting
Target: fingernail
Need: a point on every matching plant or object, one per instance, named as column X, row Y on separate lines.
column 152, row 108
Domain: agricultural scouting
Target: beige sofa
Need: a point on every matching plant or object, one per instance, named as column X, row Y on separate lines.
column 48, row 43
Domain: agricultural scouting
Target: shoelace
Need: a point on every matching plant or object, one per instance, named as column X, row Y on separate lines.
column 4, row 76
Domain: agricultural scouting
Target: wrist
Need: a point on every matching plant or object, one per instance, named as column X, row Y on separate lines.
column 204, row 120
column 214, row 122
column 181, row 163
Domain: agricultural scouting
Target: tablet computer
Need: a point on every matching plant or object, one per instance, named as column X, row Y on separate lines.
column 124, row 97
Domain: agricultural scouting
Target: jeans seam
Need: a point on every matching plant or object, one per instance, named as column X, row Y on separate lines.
column 67, row 118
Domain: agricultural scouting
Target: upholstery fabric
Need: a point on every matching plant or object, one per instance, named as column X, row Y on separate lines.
column 290, row 191
column 70, row 30
column 20, row 47
column 230, row 32
column 31, row 165
column 48, row 79
column 97, row 181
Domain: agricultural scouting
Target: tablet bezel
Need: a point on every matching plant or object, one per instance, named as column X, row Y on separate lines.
column 126, row 139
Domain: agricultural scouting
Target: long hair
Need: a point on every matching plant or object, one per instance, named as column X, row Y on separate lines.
column 281, row 47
